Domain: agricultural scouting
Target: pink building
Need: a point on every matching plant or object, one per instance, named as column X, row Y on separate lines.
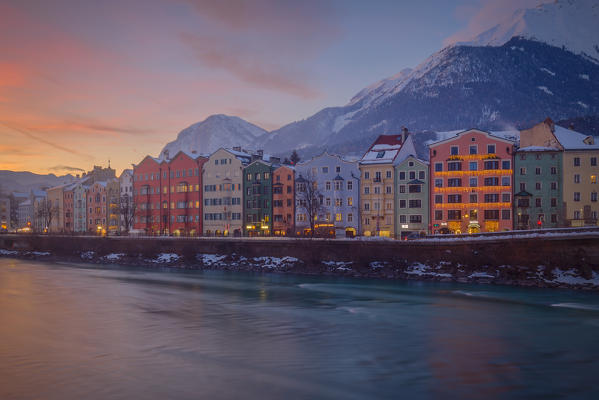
column 471, row 183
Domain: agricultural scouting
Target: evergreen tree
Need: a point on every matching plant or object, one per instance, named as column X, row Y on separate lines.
column 295, row 158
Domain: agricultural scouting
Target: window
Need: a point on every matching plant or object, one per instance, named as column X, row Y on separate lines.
column 366, row 175
column 366, row 206
column 338, row 202
column 593, row 161
column 366, row 190
column 438, row 182
column 553, row 170
column 538, row 156
column 593, row 196
column 327, row 185
column 454, row 150
column 350, row 201
column 473, row 198
column 576, row 178
column 412, row 175
column 388, row 175
column 454, row 182
column 593, row 179
column 402, row 219
column 438, row 167
column 553, row 202
column 454, row 166
column 492, row 215
column 454, row 215
column 491, row 148
column 522, row 156
column 338, row 217
column 506, row 197
column 328, row 201
column 350, row 217
column 577, row 161
column 505, row 214
column 505, row 164
column 325, row 170
column 454, row 198
column 538, row 202
column 438, row 199
column 473, row 182
column 421, row 175
column 577, row 214
column 505, row 181
column 576, row 196
column 523, row 203
column 553, row 185
column 337, row 169
column 438, row 214
column 491, row 198
column 522, row 171
column 553, row 218
column 415, row 219
column 380, row 154
column 414, row 189
column 473, row 165
column 491, row 164
column 350, row 185
column 338, row 185
column 402, row 188
column 402, row 176
column 388, row 189
column 492, row 181
column 472, row 149
column 402, row 204
column 537, row 185
column 415, row 204
column 377, row 190
column 537, row 171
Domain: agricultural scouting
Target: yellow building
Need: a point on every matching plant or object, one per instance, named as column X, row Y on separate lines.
column 580, row 169
column 377, row 192
column 55, row 208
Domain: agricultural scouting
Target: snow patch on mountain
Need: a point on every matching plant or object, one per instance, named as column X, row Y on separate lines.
column 213, row 133
column 545, row 89
column 564, row 23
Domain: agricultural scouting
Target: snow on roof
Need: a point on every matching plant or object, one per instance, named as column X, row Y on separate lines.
column 39, row 193
column 511, row 135
column 538, row 148
column 383, row 150
column 572, row 140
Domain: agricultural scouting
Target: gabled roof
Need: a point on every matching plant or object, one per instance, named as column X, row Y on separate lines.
column 338, row 178
column 326, row 154
column 300, row 179
column 505, row 136
column 523, row 193
column 572, row 140
column 384, row 150
column 416, row 182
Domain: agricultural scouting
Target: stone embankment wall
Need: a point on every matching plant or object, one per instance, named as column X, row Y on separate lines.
column 511, row 260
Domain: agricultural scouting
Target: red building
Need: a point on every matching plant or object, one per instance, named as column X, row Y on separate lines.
column 283, row 201
column 471, row 183
column 168, row 195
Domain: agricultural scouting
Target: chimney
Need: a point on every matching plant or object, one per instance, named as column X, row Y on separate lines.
column 193, row 152
column 166, row 155
column 404, row 134
column 260, row 153
column 550, row 123
column 275, row 160
column 571, row 126
column 237, row 148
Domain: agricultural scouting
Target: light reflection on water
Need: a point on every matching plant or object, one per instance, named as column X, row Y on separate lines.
column 74, row 331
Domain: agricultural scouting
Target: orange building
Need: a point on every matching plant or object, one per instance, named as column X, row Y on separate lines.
column 471, row 183
column 96, row 208
column 283, row 201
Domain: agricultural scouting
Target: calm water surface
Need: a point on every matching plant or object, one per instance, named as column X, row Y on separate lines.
column 71, row 331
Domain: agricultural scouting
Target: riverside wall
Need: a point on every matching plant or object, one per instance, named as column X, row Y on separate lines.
column 579, row 251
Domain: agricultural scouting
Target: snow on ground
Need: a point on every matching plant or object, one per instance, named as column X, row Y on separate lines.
column 210, row 259
column 424, row 270
column 549, row 72
column 570, row 277
column 166, row 258
column 545, row 89
column 114, row 256
column 275, row 262
column 40, row 253
column 440, row 238
column 376, row 265
column 480, row 275
column 339, row 265
column 88, row 255
column 8, row 252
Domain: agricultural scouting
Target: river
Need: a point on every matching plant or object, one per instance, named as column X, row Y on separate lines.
column 76, row 331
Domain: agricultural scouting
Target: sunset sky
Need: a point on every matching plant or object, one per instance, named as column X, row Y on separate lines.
column 85, row 81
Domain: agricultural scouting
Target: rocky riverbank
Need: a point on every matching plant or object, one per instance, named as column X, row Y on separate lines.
column 442, row 271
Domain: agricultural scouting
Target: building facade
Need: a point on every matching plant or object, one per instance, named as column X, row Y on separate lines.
column 223, row 193
column 126, row 206
column 257, row 203
column 538, row 188
column 80, row 207
column 55, row 197
column 377, row 180
column 96, row 208
column 412, row 197
column 283, row 201
column 151, row 211
column 471, row 183
column 5, row 224
column 338, row 186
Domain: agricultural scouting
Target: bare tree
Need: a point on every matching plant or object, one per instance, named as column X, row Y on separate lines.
column 45, row 213
column 127, row 208
column 309, row 198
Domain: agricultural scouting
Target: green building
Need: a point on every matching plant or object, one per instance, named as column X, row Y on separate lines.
column 538, row 188
column 411, row 198
column 257, row 207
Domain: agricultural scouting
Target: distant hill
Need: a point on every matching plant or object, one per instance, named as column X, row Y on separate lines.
column 22, row 181
column 588, row 124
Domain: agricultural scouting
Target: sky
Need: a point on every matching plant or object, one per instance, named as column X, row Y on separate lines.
column 85, row 81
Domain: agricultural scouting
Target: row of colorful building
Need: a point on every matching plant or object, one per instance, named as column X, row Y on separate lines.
column 474, row 181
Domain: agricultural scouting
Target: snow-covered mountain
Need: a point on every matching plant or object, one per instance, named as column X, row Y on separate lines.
column 572, row 24
column 215, row 132
column 541, row 62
